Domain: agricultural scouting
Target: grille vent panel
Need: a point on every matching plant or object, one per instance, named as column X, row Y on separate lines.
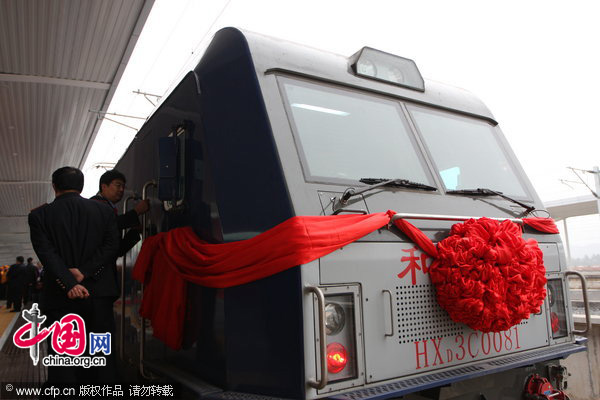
column 420, row 317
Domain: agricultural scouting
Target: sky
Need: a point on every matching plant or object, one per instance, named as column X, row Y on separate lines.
column 535, row 64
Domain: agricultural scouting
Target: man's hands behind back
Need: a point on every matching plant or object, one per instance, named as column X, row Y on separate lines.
column 77, row 274
column 78, row 292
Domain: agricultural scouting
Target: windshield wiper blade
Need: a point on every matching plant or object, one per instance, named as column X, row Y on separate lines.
column 379, row 182
column 396, row 182
column 490, row 192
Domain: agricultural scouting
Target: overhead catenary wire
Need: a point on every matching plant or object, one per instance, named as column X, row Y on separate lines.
column 177, row 77
column 574, row 170
column 196, row 48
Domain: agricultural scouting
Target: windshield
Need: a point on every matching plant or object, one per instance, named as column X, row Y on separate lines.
column 347, row 135
column 466, row 152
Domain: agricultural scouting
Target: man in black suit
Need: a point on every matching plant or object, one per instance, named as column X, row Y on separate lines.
column 31, row 277
column 18, row 281
column 76, row 240
column 112, row 188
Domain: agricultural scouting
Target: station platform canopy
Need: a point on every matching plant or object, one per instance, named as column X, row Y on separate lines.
column 572, row 207
column 60, row 63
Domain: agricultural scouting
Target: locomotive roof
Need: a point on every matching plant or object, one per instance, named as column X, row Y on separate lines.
column 272, row 55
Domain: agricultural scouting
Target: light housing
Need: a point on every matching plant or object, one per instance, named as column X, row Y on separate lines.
column 378, row 65
column 340, row 325
column 558, row 315
column 347, row 296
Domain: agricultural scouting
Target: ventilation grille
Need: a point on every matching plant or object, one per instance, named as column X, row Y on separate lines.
column 420, row 317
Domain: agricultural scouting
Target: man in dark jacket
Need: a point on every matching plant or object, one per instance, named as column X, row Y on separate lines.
column 76, row 240
column 31, row 277
column 18, row 281
column 112, row 188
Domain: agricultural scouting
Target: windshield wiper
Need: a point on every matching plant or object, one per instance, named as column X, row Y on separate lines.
column 490, row 192
column 379, row 182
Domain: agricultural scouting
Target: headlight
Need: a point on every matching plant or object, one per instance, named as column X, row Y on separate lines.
column 335, row 318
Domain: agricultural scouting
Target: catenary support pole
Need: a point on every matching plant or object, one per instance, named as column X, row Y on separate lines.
column 567, row 243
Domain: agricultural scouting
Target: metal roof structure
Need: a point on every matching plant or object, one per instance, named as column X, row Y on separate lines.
column 59, row 59
column 572, row 207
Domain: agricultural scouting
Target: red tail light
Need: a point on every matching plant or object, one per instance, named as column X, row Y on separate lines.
column 336, row 357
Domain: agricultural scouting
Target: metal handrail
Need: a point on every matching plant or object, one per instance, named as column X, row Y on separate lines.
column 122, row 327
column 586, row 304
column 435, row 217
column 320, row 384
column 391, row 312
column 142, row 319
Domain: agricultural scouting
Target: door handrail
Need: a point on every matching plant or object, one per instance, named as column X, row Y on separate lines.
column 586, row 304
column 122, row 327
column 315, row 383
column 142, row 319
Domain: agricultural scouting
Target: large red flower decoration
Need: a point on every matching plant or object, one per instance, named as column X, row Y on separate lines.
column 487, row 276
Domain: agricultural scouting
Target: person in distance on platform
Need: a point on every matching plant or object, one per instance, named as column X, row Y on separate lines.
column 31, row 271
column 18, row 282
column 3, row 281
column 38, row 285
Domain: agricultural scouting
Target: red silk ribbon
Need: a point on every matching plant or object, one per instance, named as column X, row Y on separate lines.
column 170, row 259
column 417, row 236
column 545, row 225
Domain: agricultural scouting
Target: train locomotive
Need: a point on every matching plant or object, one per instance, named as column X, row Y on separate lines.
column 264, row 130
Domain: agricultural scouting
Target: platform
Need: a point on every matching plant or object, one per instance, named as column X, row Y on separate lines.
column 15, row 363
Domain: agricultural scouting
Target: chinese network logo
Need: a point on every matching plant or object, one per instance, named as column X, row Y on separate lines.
column 68, row 337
